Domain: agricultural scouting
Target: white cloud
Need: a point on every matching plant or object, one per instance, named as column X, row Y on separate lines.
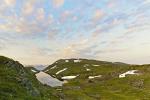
column 58, row 3
column 50, row 18
column 28, row 8
column 98, row 14
column 65, row 16
column 146, row 1
column 10, row 2
column 40, row 14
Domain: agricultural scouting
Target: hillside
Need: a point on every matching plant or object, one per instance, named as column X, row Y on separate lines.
column 84, row 80
column 85, row 68
column 19, row 83
column 101, row 80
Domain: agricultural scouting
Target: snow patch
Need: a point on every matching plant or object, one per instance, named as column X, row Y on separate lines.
column 65, row 81
column 86, row 65
column 69, row 77
column 47, row 70
column 53, row 75
column 66, row 60
column 33, row 70
column 131, row 72
column 91, row 77
column 77, row 60
column 53, row 67
column 87, row 69
column 61, row 71
column 95, row 65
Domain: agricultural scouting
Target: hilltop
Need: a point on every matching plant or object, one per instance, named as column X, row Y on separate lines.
column 84, row 67
column 101, row 80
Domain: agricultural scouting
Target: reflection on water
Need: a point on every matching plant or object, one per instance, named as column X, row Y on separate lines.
column 47, row 79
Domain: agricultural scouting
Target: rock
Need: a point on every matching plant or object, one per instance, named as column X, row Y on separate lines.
column 138, row 83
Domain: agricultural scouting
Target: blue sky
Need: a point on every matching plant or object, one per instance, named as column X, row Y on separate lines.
column 43, row 31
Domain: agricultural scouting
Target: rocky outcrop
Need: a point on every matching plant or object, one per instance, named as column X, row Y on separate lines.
column 22, row 76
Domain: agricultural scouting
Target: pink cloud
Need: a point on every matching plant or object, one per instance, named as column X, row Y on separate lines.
column 58, row 3
column 98, row 14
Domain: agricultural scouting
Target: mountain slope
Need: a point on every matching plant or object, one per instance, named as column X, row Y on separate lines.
column 86, row 80
column 84, row 67
column 17, row 82
column 101, row 80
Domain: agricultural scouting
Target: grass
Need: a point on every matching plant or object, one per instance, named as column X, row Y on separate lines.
column 109, row 86
column 19, row 83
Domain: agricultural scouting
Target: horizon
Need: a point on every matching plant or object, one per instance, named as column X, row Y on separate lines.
column 39, row 32
column 44, row 65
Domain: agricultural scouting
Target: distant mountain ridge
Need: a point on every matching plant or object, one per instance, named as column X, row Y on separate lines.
column 38, row 67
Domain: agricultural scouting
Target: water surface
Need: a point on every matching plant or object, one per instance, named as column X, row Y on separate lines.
column 47, row 79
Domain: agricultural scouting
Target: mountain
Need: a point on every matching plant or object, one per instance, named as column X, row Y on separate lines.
column 83, row 79
column 20, row 83
column 84, row 67
column 37, row 67
column 40, row 67
column 101, row 80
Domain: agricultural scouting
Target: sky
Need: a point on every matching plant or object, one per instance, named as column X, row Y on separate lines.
column 43, row 31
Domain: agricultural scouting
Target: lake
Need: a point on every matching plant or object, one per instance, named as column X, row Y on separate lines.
column 48, row 80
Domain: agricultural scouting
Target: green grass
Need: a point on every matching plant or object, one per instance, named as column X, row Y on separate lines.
column 19, row 83
column 109, row 86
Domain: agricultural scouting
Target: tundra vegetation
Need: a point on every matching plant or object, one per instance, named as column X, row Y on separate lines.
column 100, row 82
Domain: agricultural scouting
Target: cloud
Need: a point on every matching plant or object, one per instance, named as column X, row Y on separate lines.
column 82, row 47
column 2, row 43
column 28, row 8
column 72, row 49
column 50, row 18
column 97, row 32
column 146, row 1
column 40, row 14
column 98, row 14
column 39, row 33
column 58, row 3
column 52, row 33
column 22, row 26
column 68, row 52
column 10, row 2
column 112, row 3
column 109, row 25
column 23, row 49
column 109, row 51
column 65, row 16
